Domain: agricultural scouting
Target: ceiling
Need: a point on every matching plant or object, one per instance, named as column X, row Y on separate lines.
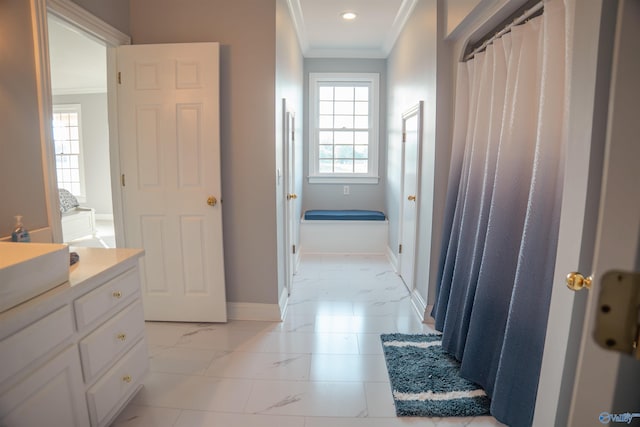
column 78, row 62
column 324, row 34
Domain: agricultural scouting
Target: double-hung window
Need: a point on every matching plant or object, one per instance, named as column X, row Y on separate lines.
column 68, row 148
column 343, row 136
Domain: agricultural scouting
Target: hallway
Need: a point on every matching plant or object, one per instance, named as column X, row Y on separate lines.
column 322, row 366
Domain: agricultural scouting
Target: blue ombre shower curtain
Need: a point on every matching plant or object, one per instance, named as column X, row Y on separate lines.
column 503, row 209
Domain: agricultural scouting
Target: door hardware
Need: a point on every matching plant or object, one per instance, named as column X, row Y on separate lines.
column 617, row 325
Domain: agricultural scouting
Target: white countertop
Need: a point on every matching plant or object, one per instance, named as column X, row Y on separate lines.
column 94, row 261
column 94, row 266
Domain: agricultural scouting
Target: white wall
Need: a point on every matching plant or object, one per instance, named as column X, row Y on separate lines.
column 412, row 77
column 361, row 196
column 95, row 144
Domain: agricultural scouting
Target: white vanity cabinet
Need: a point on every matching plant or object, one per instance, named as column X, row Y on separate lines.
column 75, row 355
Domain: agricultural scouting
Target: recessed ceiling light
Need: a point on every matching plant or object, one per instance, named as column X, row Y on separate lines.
column 349, row 16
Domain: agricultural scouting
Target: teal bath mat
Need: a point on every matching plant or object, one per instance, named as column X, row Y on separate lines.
column 425, row 379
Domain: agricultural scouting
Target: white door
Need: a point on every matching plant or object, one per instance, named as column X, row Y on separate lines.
column 411, row 130
column 608, row 382
column 581, row 382
column 290, row 196
column 168, row 119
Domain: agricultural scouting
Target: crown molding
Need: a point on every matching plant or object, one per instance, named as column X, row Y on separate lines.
column 295, row 10
column 69, row 11
column 404, row 12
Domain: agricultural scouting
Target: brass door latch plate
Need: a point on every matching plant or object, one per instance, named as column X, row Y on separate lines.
column 618, row 318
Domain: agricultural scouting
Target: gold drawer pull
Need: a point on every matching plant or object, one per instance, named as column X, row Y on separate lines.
column 126, row 378
column 122, row 337
column 116, row 294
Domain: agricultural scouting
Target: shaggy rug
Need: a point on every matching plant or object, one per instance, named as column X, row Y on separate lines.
column 425, row 379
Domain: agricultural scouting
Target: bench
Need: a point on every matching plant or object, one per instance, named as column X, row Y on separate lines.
column 344, row 231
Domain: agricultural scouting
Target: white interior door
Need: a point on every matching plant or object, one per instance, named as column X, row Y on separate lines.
column 607, row 382
column 579, row 381
column 290, row 196
column 411, row 130
column 168, row 117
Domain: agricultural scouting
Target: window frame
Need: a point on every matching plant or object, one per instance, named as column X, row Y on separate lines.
column 373, row 82
column 72, row 108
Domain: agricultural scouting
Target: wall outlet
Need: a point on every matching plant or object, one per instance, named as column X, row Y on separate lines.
column 345, row 190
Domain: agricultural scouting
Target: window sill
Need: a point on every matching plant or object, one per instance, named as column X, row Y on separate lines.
column 341, row 179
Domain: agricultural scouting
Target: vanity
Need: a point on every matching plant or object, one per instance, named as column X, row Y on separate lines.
column 75, row 354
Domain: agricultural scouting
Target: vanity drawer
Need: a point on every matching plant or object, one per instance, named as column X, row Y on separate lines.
column 118, row 384
column 20, row 349
column 104, row 344
column 107, row 297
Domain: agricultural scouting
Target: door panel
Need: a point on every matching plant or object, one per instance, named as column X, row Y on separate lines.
column 410, row 192
column 168, row 107
column 608, row 382
column 290, row 197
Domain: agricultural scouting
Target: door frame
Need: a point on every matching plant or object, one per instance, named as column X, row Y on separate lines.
column 587, row 123
column 415, row 110
column 78, row 17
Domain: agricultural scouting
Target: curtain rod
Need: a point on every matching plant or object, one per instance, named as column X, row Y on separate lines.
column 538, row 7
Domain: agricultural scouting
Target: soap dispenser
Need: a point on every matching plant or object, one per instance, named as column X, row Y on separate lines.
column 20, row 234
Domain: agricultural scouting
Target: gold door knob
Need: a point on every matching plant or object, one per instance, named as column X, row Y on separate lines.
column 126, row 378
column 576, row 281
column 117, row 294
column 292, row 196
column 212, row 201
column 122, row 337
column 411, row 198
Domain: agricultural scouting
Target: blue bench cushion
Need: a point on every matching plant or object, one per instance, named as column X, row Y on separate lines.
column 344, row 215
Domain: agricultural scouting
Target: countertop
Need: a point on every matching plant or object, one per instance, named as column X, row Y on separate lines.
column 94, row 267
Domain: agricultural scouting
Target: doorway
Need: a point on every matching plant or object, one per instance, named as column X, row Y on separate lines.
column 99, row 200
column 78, row 66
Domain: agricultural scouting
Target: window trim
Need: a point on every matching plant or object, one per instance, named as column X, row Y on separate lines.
column 372, row 177
column 73, row 108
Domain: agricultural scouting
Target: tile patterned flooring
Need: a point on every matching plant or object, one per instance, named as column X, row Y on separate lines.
column 322, row 366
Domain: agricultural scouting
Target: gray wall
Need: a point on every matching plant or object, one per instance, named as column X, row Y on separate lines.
column 246, row 33
column 23, row 190
column 362, row 196
column 20, row 144
column 95, row 144
column 289, row 80
column 418, row 71
column 113, row 12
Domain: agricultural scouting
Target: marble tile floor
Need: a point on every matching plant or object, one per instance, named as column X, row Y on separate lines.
column 104, row 237
column 322, row 366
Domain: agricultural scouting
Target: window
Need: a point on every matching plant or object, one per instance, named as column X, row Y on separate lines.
column 343, row 139
column 68, row 148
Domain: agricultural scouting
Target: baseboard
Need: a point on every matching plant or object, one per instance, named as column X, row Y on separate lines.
column 296, row 262
column 393, row 259
column 419, row 305
column 283, row 303
column 254, row 311
column 104, row 217
column 40, row 235
column 427, row 316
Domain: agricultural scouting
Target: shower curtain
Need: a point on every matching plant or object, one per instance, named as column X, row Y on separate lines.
column 503, row 209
